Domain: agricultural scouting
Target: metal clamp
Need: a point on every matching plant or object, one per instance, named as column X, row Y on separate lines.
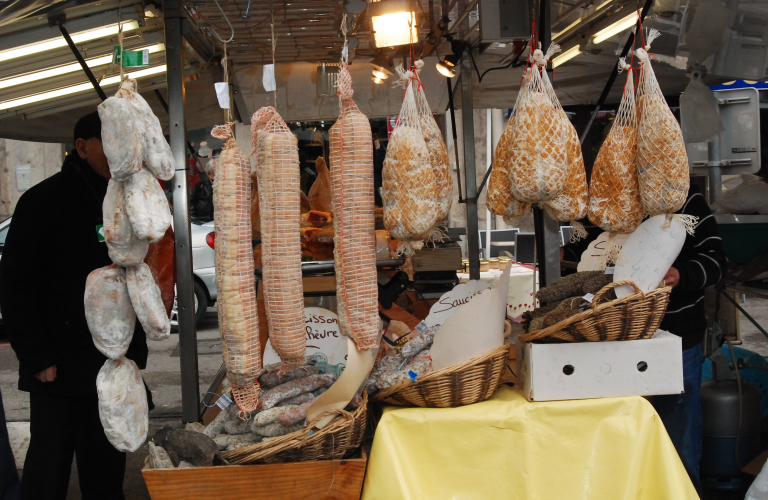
column 733, row 100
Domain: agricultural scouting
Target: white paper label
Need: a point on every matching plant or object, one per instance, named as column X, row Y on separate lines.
column 222, row 93
column 610, row 270
column 324, row 339
column 451, row 300
column 588, row 297
column 422, row 327
column 223, row 402
column 268, row 80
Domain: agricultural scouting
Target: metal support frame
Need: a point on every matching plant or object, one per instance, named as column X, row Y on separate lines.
column 745, row 313
column 60, row 23
column 715, row 172
column 613, row 75
column 546, row 229
column 185, row 294
column 470, row 178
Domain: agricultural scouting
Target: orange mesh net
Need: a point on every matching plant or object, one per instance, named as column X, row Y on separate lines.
column 236, row 304
column 537, row 149
column 614, row 194
column 409, row 189
column 353, row 220
column 277, row 169
column 662, row 162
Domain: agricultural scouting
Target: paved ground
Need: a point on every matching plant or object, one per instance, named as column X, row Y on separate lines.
column 162, row 377
column 750, row 335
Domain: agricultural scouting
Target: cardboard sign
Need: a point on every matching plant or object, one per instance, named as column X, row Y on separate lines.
column 648, row 254
column 593, row 257
column 451, row 300
column 324, row 338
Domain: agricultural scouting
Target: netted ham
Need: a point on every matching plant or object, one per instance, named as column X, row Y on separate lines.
column 662, row 162
column 236, row 304
column 277, row 168
column 124, row 247
column 147, row 302
column 123, row 408
column 161, row 259
column 438, row 154
column 500, row 200
column 147, row 206
column 320, row 193
column 121, row 137
column 538, row 155
column 572, row 202
column 409, row 188
column 108, row 310
column 614, row 195
column 353, row 221
column 155, row 149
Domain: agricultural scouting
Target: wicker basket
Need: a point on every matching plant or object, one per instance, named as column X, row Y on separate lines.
column 636, row 316
column 339, row 439
column 469, row 382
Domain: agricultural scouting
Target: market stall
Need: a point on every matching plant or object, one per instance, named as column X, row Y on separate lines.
column 325, row 363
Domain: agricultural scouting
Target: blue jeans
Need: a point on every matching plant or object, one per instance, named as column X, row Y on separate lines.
column 681, row 414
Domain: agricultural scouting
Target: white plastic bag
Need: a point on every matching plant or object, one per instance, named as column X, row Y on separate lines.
column 746, row 194
column 759, row 488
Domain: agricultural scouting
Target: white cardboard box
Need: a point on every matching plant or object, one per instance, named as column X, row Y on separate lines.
column 554, row 372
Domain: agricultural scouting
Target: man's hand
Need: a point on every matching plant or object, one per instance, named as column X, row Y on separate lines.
column 672, row 278
column 47, row 375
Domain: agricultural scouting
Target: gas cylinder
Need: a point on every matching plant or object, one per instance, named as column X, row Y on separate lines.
column 720, row 408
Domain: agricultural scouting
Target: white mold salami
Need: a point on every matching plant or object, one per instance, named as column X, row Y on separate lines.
column 147, row 302
column 123, row 406
column 146, row 206
column 108, row 311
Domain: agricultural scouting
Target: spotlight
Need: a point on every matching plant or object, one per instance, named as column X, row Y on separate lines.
column 449, row 62
column 384, row 63
column 381, row 75
column 394, row 22
column 376, row 79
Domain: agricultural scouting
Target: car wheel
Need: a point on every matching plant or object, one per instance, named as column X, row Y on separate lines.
column 200, row 298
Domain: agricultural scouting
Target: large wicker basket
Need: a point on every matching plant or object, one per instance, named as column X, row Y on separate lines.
column 339, row 439
column 636, row 316
column 469, row 382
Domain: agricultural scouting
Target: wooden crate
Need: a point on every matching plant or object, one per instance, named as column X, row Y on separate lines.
column 337, row 479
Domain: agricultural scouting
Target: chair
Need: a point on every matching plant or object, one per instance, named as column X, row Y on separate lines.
column 501, row 240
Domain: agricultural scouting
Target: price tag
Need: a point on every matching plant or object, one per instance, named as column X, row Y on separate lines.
column 422, row 327
column 223, row 402
column 588, row 297
column 610, row 270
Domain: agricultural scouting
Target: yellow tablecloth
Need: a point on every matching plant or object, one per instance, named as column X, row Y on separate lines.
column 508, row 448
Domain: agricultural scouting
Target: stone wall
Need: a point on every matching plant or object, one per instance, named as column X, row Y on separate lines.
column 45, row 159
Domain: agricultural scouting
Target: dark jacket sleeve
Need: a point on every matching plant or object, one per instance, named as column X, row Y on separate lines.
column 25, row 257
column 703, row 262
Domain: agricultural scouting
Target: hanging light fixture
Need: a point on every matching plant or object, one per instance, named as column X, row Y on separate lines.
column 566, row 56
column 394, row 22
column 446, row 67
column 615, row 28
column 383, row 66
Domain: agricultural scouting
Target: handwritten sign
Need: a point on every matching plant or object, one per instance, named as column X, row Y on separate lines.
column 648, row 254
column 460, row 295
column 593, row 257
column 324, row 338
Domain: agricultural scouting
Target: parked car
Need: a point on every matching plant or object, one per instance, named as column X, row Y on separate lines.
column 203, row 269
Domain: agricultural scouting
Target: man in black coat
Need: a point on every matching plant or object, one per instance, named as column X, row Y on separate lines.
column 52, row 245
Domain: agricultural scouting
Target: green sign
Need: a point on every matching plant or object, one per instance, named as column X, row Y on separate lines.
column 130, row 58
column 100, row 232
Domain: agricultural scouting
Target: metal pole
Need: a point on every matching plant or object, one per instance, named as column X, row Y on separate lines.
column 488, row 156
column 715, row 172
column 184, row 281
column 82, row 62
column 547, row 230
column 455, row 139
column 613, row 75
column 470, row 178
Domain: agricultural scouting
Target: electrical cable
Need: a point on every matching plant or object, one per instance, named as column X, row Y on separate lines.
column 741, row 404
column 513, row 63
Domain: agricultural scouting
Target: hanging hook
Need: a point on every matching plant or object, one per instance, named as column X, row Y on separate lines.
column 232, row 30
